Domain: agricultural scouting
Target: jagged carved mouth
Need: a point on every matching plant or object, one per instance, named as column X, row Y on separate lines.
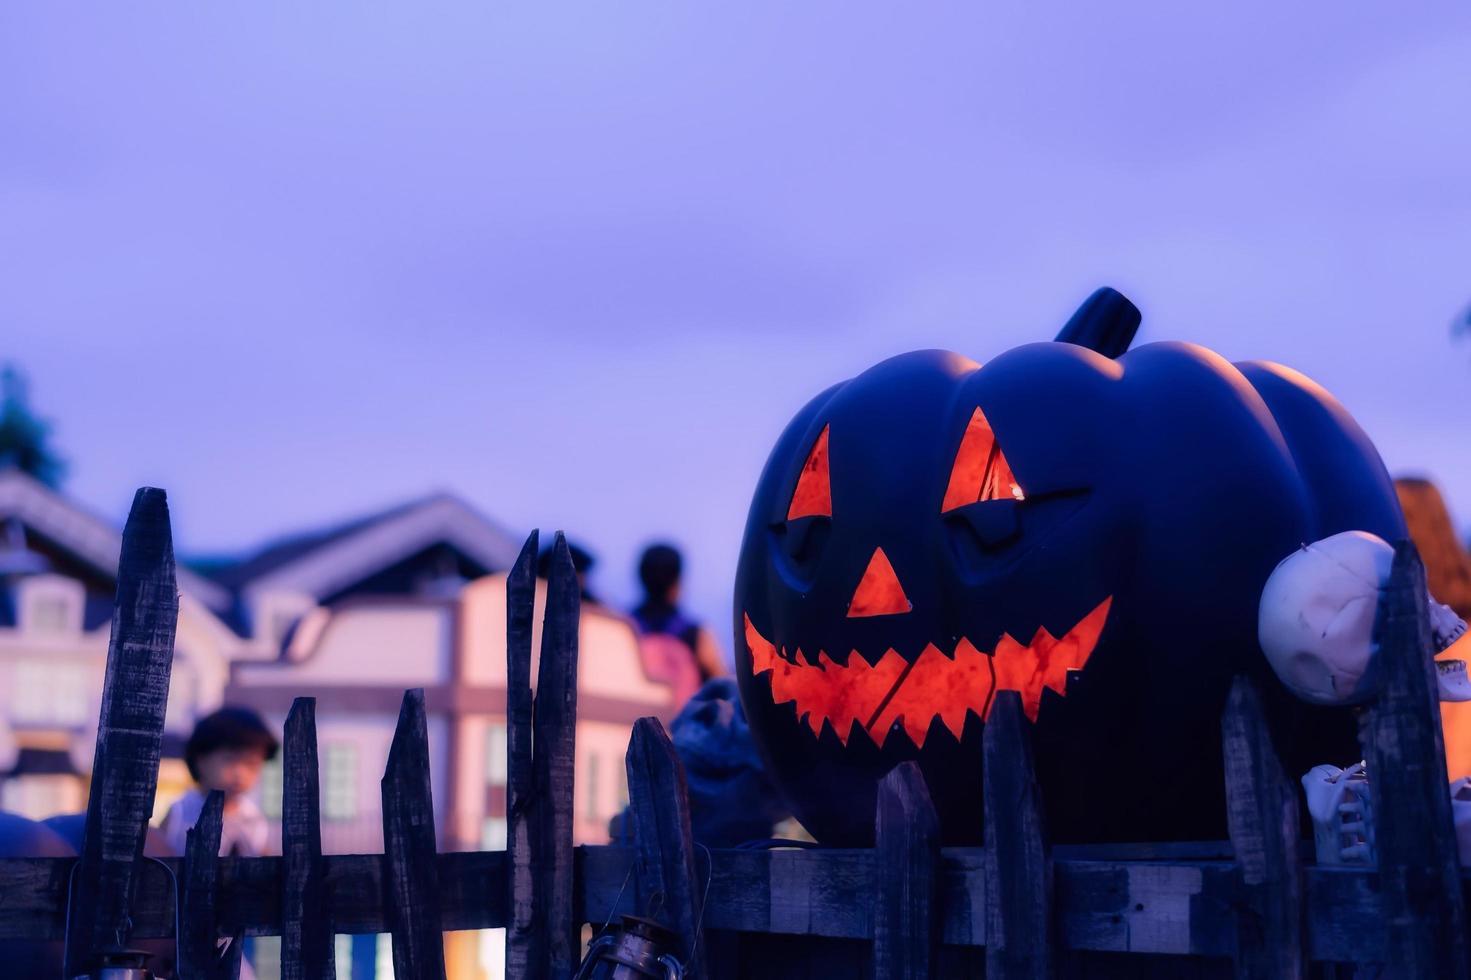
column 897, row 693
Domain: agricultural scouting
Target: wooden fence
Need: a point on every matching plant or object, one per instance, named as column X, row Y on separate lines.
column 1018, row 907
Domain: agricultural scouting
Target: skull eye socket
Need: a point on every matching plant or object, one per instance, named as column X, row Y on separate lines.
column 814, row 495
column 981, row 472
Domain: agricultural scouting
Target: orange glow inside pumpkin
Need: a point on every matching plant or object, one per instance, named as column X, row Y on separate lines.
column 814, row 495
column 981, row 471
column 912, row 695
column 879, row 592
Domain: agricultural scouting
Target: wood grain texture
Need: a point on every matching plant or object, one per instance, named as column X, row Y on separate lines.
column 1424, row 909
column 1145, row 907
column 668, row 885
column 198, row 954
column 307, row 948
column 412, row 892
column 1018, row 869
column 906, row 928
column 526, row 953
column 553, row 760
column 1262, row 815
column 135, row 693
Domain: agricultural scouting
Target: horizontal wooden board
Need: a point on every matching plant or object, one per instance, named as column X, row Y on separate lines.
column 1103, row 905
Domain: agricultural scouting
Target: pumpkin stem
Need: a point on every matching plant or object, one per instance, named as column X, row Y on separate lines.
column 1106, row 323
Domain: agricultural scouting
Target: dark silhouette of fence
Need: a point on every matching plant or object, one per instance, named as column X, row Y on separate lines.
column 1018, row 907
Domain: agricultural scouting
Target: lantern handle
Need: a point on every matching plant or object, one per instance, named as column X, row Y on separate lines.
column 1106, row 323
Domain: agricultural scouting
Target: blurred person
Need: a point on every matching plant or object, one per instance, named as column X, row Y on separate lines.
column 676, row 648
column 1447, row 564
column 226, row 751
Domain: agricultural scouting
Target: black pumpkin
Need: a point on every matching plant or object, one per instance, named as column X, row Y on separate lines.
column 1089, row 527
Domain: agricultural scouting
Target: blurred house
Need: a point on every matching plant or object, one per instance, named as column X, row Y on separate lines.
column 426, row 547
column 58, row 568
column 416, row 597
column 358, row 656
column 413, row 596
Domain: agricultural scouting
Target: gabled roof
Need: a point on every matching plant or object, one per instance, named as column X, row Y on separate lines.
column 93, row 541
column 325, row 562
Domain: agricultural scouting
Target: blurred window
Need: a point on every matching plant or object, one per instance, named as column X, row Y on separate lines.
column 50, row 693
column 340, row 779
column 50, row 614
column 495, row 755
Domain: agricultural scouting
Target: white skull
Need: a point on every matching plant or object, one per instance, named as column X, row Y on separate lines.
column 1343, row 819
column 1451, row 677
column 1316, row 618
column 1445, row 626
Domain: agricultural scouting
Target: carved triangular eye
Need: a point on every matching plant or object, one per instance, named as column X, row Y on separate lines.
column 981, row 471
column 813, row 496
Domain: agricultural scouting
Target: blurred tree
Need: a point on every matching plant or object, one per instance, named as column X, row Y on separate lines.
column 24, row 439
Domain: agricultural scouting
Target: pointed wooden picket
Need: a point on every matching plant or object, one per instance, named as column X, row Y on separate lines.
column 135, row 694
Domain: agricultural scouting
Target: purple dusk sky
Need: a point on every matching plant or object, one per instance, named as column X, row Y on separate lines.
column 580, row 265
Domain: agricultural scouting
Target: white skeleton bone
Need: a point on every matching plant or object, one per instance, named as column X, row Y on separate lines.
column 1340, row 805
column 1316, row 628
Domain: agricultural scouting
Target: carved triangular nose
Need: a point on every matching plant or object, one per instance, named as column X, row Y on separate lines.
column 879, row 592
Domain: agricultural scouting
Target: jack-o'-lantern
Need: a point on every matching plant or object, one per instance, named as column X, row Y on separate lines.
column 1083, row 524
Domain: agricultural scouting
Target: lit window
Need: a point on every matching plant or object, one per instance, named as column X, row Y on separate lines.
column 495, row 755
column 340, row 781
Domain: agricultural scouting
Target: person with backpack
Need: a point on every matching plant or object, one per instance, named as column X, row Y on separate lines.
column 676, row 648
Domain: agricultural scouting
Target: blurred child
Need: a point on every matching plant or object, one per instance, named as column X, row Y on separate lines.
column 226, row 752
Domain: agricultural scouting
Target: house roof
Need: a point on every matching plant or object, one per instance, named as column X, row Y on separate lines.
column 323, row 562
column 91, row 540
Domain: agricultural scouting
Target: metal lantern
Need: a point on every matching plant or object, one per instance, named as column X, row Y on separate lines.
column 636, row 949
column 121, row 964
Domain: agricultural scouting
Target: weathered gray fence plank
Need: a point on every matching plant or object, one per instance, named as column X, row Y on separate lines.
column 135, row 694
column 1102, row 905
column 906, row 926
column 553, row 759
column 1424, row 910
column 526, row 956
column 198, row 953
column 307, row 947
column 1261, row 812
column 669, row 887
column 1018, row 872
column 411, row 892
